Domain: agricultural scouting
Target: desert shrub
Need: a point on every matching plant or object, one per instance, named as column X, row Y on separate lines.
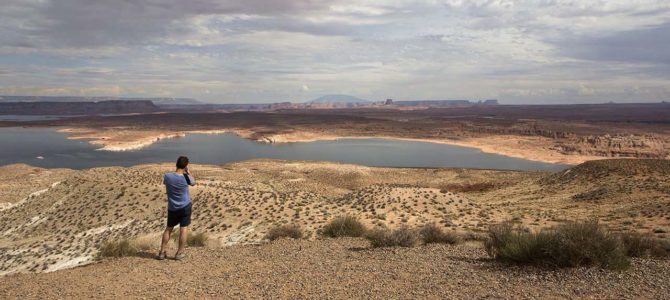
column 401, row 237
column 568, row 245
column 290, row 230
column 587, row 243
column 514, row 245
column 474, row 236
column 431, row 233
column 146, row 243
column 117, row 248
column 197, row 239
column 640, row 245
column 344, row 226
column 194, row 239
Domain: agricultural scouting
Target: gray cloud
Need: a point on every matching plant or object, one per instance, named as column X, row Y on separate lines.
column 645, row 45
column 256, row 51
column 84, row 23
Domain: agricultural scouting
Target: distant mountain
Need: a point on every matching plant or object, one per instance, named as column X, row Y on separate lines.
column 157, row 101
column 337, row 99
column 175, row 101
column 77, row 108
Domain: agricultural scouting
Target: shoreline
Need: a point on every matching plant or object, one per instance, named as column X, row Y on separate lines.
column 529, row 148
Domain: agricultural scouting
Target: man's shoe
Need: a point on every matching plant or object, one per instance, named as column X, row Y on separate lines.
column 179, row 256
column 161, row 256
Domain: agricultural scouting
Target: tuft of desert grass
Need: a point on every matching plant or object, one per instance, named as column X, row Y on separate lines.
column 644, row 245
column 432, row 233
column 284, row 231
column 401, row 237
column 146, row 243
column 344, row 226
column 117, row 248
column 194, row 239
column 197, row 239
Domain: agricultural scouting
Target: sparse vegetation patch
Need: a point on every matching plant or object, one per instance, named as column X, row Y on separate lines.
column 197, row 239
column 468, row 187
column 401, row 237
column 643, row 245
column 569, row 245
column 431, row 233
column 344, row 226
column 117, row 248
column 285, row 231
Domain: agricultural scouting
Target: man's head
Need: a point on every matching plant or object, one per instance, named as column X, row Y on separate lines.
column 182, row 162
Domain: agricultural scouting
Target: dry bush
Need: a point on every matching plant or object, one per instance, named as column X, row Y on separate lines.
column 284, row 231
column 117, row 248
column 640, row 245
column 401, row 237
column 431, row 233
column 146, row 243
column 568, row 245
column 197, row 239
column 344, row 226
column 193, row 239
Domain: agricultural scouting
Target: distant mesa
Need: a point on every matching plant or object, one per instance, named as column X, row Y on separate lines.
column 77, row 108
column 157, row 101
column 438, row 103
column 329, row 99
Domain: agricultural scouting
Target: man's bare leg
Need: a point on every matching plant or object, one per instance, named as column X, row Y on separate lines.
column 166, row 239
column 183, row 232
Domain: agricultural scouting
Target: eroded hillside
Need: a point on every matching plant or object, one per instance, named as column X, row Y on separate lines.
column 58, row 218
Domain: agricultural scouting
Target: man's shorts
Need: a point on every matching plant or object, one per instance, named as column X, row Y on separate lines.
column 181, row 216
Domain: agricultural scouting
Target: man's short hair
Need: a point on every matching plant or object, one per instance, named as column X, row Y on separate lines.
column 182, row 162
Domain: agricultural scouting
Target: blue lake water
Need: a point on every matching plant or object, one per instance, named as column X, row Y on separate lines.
column 48, row 148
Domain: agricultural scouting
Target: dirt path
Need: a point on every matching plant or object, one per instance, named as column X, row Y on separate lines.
column 336, row 269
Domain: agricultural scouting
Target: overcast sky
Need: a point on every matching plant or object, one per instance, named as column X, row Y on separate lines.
column 544, row 51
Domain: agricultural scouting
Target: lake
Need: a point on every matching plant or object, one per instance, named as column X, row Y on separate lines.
column 45, row 147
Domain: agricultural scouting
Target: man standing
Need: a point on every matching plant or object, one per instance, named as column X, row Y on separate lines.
column 179, row 206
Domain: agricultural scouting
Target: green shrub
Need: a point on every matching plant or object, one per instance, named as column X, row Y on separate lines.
column 291, row 231
column 568, row 245
column 344, row 226
column 514, row 245
column 431, row 233
column 587, row 243
column 121, row 248
column 640, row 245
column 384, row 237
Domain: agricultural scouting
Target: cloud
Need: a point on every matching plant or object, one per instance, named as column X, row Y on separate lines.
column 108, row 22
column 260, row 51
column 645, row 45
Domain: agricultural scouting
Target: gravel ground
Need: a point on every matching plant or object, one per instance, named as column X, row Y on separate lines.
column 337, row 269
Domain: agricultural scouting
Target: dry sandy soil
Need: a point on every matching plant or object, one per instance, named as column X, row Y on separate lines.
column 337, row 269
column 56, row 219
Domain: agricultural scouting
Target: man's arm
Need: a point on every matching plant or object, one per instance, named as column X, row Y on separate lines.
column 189, row 178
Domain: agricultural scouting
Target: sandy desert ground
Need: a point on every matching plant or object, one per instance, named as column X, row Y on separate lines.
column 55, row 219
column 337, row 269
